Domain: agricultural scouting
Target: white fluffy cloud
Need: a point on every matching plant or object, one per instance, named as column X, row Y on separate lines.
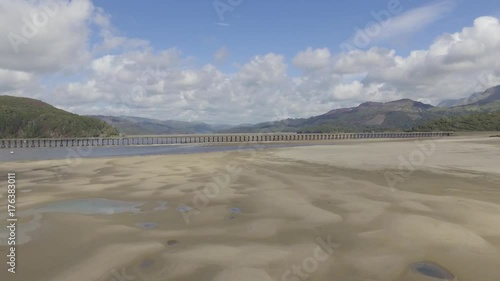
column 263, row 70
column 14, row 82
column 44, row 37
column 311, row 60
column 120, row 75
column 455, row 65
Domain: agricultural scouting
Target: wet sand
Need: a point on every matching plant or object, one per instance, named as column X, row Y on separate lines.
column 353, row 210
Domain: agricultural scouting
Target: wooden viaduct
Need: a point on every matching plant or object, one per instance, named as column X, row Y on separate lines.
column 188, row 139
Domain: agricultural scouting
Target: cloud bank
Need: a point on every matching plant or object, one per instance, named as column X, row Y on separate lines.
column 47, row 53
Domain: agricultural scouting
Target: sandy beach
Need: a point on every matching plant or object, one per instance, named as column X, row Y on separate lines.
column 339, row 211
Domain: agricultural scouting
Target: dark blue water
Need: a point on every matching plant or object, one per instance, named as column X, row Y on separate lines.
column 432, row 270
column 33, row 154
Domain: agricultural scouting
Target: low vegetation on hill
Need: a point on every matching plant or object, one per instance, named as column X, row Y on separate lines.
column 30, row 118
column 485, row 121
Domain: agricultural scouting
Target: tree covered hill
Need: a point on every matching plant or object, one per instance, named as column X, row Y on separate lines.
column 30, row 118
column 482, row 121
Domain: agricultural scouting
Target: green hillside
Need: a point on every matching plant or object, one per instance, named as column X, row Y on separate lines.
column 30, row 118
column 484, row 121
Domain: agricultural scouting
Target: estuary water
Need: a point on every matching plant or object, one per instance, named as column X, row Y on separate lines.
column 34, row 154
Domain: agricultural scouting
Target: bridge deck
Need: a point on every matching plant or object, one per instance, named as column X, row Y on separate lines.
column 188, row 139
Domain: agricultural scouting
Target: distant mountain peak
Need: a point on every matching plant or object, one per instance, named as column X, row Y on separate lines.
column 405, row 100
column 396, row 105
column 490, row 95
column 369, row 103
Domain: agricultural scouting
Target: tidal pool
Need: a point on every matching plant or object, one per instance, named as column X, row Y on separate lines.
column 23, row 231
column 94, row 206
column 430, row 271
column 147, row 225
column 235, row 210
column 184, row 209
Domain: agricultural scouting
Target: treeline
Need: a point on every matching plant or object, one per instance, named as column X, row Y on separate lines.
column 486, row 121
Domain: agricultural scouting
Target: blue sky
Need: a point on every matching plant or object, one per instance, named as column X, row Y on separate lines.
column 279, row 26
column 258, row 60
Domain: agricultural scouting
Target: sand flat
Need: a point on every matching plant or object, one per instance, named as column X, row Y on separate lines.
column 290, row 203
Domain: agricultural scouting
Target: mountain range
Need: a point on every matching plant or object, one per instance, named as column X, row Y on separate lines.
column 30, row 118
column 491, row 95
column 404, row 114
column 130, row 125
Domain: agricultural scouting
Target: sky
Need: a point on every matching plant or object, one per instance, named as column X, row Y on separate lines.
column 244, row 61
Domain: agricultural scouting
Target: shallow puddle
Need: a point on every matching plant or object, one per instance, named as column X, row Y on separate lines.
column 235, row 210
column 23, row 232
column 147, row 225
column 428, row 271
column 96, row 206
column 184, row 209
